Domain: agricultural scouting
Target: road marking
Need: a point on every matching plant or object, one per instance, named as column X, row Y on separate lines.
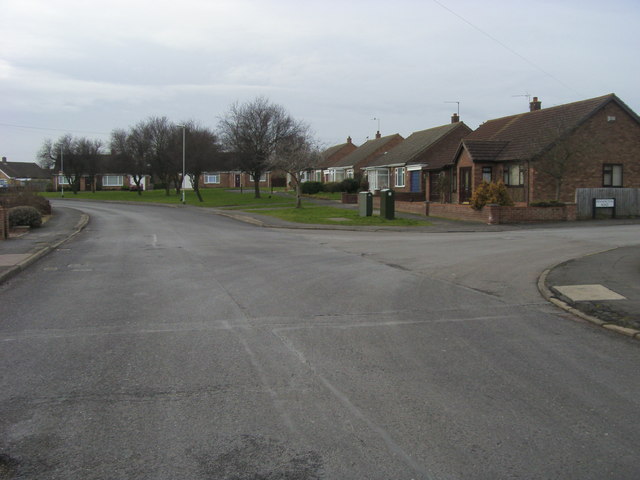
column 587, row 293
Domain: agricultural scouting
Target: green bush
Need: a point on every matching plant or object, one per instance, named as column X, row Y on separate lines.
column 311, row 188
column 350, row 185
column 333, row 187
column 551, row 203
column 28, row 216
column 491, row 193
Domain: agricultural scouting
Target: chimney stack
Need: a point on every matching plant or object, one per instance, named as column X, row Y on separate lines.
column 349, row 139
column 455, row 118
column 4, row 159
column 378, row 135
column 535, row 104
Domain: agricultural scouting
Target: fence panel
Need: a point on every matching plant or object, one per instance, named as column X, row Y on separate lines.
column 627, row 200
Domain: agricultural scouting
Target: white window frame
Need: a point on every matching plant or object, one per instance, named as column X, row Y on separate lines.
column 62, row 180
column 513, row 175
column 612, row 175
column 211, row 178
column 401, row 176
column 106, row 180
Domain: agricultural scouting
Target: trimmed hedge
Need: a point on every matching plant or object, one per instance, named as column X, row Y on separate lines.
column 22, row 199
column 24, row 216
column 551, row 203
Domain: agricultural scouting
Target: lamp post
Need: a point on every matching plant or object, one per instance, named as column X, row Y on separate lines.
column 184, row 127
column 62, row 171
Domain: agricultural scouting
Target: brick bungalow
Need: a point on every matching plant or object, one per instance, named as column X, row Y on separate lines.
column 353, row 163
column 414, row 165
column 20, row 174
column 109, row 175
column 329, row 158
column 546, row 154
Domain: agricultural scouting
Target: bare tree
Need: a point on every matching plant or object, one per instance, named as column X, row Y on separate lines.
column 131, row 150
column 558, row 158
column 253, row 131
column 204, row 153
column 65, row 155
column 295, row 155
column 161, row 133
column 89, row 153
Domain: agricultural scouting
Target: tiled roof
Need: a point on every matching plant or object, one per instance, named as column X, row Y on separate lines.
column 526, row 135
column 367, row 150
column 24, row 170
column 331, row 155
column 414, row 145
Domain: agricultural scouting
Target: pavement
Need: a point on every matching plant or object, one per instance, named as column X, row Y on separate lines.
column 602, row 288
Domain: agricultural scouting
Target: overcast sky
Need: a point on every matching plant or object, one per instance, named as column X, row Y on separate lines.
column 87, row 67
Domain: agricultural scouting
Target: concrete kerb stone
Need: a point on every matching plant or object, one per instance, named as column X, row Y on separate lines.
column 82, row 223
column 552, row 298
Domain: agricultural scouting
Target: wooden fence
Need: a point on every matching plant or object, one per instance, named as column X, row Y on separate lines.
column 627, row 202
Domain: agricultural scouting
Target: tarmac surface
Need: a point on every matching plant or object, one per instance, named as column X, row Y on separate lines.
column 602, row 288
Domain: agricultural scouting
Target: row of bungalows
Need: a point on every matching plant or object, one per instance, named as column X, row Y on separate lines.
column 541, row 155
column 110, row 174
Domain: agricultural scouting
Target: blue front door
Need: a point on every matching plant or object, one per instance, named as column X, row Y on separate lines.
column 414, row 181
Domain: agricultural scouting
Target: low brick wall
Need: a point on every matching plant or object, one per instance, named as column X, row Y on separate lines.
column 495, row 214
column 4, row 223
column 350, row 198
column 566, row 213
column 458, row 212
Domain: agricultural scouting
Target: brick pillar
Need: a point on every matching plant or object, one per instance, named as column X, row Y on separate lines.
column 494, row 214
column 4, row 224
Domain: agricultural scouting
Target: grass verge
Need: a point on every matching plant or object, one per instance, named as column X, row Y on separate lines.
column 323, row 215
column 213, row 197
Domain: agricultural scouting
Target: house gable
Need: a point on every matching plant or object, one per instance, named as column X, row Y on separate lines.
column 361, row 157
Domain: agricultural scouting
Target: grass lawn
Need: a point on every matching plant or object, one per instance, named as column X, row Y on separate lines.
column 280, row 206
column 213, row 197
column 338, row 216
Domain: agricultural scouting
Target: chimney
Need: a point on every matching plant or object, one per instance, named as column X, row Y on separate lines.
column 349, row 139
column 4, row 159
column 535, row 104
column 378, row 134
column 455, row 118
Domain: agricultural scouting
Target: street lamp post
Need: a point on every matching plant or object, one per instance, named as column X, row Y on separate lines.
column 62, row 171
column 184, row 127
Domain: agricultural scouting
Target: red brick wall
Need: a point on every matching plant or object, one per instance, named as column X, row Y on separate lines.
column 499, row 215
column 4, row 223
column 595, row 143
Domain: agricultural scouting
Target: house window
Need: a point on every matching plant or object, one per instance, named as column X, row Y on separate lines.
column 513, row 175
column 63, row 180
column 486, row 174
column 263, row 177
column 112, row 181
column 612, row 175
column 400, row 176
column 211, row 178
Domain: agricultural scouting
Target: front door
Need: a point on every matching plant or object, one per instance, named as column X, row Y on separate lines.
column 414, row 181
column 465, row 185
column 237, row 181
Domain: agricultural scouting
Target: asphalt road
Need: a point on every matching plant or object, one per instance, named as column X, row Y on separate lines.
column 167, row 343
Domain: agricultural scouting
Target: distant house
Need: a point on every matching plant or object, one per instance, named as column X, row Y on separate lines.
column 420, row 157
column 353, row 163
column 546, row 154
column 330, row 157
column 223, row 172
column 18, row 174
column 108, row 174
